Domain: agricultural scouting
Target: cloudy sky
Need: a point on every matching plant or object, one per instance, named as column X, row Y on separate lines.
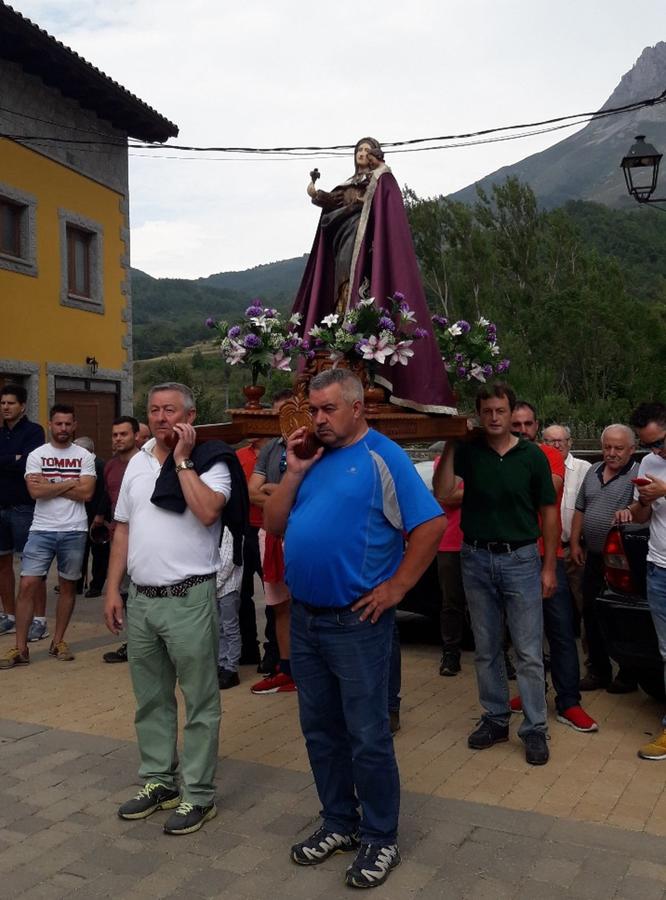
column 291, row 73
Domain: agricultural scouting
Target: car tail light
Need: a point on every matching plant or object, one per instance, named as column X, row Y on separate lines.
column 617, row 571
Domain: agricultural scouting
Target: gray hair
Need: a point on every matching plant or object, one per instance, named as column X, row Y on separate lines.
column 182, row 389
column 628, row 433
column 87, row 443
column 565, row 429
column 350, row 384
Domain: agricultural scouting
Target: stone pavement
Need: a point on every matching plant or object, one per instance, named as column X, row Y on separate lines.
column 590, row 824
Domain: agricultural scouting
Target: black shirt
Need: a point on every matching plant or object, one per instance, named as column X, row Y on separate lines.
column 17, row 441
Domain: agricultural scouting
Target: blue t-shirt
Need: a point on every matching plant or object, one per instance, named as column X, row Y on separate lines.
column 345, row 531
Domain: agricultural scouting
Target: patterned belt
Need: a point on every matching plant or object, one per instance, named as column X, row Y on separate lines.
column 172, row 590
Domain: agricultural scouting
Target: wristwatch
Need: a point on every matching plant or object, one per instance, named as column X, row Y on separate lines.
column 185, row 464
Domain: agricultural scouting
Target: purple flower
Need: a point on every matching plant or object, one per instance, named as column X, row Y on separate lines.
column 503, row 365
column 349, row 327
column 305, row 346
column 234, row 331
column 491, row 329
column 210, row 322
column 270, row 313
column 252, row 341
column 398, row 297
column 442, row 321
column 386, row 324
column 461, row 371
column 310, row 354
column 487, row 370
column 463, row 326
column 360, row 345
column 404, row 307
column 253, row 311
column 420, row 333
column 459, row 357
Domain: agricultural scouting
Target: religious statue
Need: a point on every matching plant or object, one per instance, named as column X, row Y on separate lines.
column 363, row 248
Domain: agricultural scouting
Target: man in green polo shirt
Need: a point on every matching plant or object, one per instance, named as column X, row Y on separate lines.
column 508, row 494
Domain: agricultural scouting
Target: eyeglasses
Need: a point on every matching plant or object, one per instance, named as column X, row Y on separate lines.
column 554, row 442
column 654, row 445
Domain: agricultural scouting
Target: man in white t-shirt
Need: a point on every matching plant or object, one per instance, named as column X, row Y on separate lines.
column 60, row 477
column 649, row 422
column 167, row 537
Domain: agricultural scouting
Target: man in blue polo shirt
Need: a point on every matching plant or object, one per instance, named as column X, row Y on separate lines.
column 344, row 512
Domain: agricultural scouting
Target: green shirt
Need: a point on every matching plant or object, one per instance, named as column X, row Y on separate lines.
column 503, row 494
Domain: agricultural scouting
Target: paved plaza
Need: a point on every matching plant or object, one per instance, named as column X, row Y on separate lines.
column 589, row 824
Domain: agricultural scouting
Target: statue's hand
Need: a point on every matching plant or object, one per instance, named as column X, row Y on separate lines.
column 315, row 174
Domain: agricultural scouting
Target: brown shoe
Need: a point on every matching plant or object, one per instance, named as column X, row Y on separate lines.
column 13, row 658
column 61, row 651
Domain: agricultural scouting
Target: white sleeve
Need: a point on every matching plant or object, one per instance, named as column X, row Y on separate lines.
column 121, row 512
column 33, row 464
column 88, row 465
column 218, row 479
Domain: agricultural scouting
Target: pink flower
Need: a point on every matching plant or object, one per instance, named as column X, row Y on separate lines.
column 281, row 362
column 378, row 349
column 402, row 353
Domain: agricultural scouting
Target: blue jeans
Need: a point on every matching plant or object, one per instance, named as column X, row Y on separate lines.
column 341, row 669
column 395, row 672
column 558, row 622
column 656, row 596
column 15, row 522
column 499, row 586
column 42, row 547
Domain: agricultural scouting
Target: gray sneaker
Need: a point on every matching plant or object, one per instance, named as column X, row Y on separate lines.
column 7, row 625
column 37, row 631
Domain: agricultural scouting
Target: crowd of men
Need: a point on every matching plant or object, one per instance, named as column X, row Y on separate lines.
column 339, row 533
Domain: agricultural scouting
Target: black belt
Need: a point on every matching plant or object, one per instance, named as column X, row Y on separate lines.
column 172, row 590
column 500, row 546
column 320, row 610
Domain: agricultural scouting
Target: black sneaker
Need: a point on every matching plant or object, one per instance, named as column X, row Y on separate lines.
column 227, row 679
column 322, row 844
column 620, row 686
column 394, row 720
column 536, row 748
column 592, row 682
column 487, row 734
column 188, row 818
column 116, row 656
column 92, row 592
column 450, row 664
column 151, row 797
column 372, row 865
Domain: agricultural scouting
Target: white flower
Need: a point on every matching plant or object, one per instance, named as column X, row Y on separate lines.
column 315, row 331
column 281, row 362
column 483, row 322
column 260, row 322
column 235, row 354
column 331, row 320
column 477, row 372
column 335, row 357
column 454, row 330
column 495, row 350
column 295, row 319
column 377, row 349
column 402, row 353
column 408, row 315
column 366, row 301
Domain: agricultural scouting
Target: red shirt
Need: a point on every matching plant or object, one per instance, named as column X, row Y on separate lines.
column 556, row 463
column 453, row 537
column 247, row 457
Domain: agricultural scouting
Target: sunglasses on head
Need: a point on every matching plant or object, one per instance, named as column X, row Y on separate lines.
column 653, row 445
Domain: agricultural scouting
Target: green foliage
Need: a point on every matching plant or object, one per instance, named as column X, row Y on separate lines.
column 578, row 294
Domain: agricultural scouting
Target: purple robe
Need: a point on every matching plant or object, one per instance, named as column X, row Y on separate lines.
column 384, row 255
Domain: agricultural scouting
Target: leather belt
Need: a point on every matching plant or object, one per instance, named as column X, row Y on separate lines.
column 172, row 590
column 500, row 546
column 320, row 610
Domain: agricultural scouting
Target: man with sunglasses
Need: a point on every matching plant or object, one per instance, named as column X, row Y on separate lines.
column 649, row 422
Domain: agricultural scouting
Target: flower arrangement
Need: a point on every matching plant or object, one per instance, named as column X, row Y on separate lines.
column 370, row 333
column 469, row 351
column 262, row 341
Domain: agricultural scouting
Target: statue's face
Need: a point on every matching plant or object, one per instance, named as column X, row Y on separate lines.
column 361, row 157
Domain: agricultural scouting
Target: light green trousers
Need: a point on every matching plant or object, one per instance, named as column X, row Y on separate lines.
column 175, row 639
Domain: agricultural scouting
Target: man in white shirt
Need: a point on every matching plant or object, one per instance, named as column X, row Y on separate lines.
column 170, row 550
column 649, row 422
column 60, row 477
column 559, row 437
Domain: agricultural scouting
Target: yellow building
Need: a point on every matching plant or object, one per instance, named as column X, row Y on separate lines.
column 65, row 299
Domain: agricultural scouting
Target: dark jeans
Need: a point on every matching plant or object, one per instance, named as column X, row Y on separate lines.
column 593, row 584
column 454, row 606
column 341, row 668
column 558, row 623
column 395, row 672
column 247, row 615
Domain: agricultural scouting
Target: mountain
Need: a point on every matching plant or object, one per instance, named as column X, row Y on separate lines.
column 275, row 281
column 586, row 165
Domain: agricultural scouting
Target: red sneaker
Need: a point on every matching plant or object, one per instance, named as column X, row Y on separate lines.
column 578, row 719
column 516, row 705
column 274, row 684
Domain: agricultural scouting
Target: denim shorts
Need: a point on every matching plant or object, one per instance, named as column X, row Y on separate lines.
column 43, row 546
column 15, row 522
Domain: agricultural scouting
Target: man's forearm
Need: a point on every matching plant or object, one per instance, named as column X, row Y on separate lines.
column 278, row 506
column 576, row 528
column 118, row 557
column 203, row 501
column 82, row 489
column 47, row 490
column 444, row 479
column 551, row 535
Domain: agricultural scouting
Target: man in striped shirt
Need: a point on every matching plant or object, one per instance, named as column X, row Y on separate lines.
column 605, row 489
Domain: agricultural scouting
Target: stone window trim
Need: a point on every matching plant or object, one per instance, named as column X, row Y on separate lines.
column 29, row 371
column 95, row 302
column 26, row 263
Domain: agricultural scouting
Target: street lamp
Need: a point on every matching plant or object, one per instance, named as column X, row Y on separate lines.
column 641, row 170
